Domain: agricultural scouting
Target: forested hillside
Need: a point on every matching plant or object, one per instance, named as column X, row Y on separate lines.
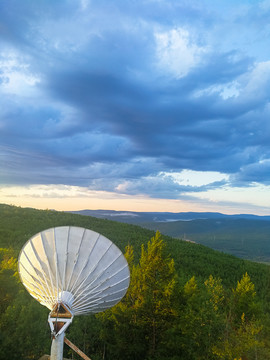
column 242, row 237
column 185, row 300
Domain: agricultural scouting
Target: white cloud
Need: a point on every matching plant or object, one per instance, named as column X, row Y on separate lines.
column 176, row 52
column 197, row 178
column 16, row 76
column 251, row 85
column 256, row 81
column 226, row 91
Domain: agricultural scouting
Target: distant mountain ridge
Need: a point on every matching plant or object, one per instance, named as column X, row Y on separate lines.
column 244, row 235
column 134, row 217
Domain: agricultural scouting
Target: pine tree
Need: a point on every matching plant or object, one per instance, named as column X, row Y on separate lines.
column 243, row 328
column 140, row 321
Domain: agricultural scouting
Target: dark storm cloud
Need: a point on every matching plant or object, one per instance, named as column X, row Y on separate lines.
column 252, row 174
column 102, row 94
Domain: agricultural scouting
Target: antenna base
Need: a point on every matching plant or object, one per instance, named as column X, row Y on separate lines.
column 59, row 319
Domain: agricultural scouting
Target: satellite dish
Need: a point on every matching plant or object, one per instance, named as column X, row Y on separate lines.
column 73, row 271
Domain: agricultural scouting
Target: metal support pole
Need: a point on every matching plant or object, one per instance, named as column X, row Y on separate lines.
column 57, row 347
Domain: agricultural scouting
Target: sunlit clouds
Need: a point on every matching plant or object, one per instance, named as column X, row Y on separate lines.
column 135, row 105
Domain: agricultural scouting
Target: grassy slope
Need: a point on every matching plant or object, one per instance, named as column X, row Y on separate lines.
column 17, row 225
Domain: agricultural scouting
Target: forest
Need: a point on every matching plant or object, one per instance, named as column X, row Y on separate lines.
column 185, row 301
column 242, row 237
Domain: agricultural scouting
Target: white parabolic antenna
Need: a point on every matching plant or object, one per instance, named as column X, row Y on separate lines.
column 78, row 268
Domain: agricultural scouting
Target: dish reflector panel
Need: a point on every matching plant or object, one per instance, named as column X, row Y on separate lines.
column 75, row 266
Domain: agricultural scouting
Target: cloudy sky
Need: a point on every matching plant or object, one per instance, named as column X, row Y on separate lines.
column 148, row 105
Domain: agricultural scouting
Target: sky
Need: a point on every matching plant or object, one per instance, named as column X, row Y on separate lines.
column 147, row 105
